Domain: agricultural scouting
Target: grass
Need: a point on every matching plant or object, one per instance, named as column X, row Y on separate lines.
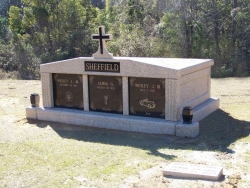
column 58, row 162
column 46, row 154
column 9, row 75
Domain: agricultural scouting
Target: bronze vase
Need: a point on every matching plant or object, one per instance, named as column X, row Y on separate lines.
column 34, row 100
column 187, row 114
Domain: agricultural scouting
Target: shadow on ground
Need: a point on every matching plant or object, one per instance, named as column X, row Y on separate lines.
column 217, row 132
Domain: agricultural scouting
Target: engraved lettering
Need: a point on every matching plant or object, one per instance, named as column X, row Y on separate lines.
column 64, row 81
column 100, row 87
column 107, row 67
column 116, row 67
column 152, row 90
column 102, row 66
column 87, row 66
column 103, row 83
column 142, row 85
column 106, row 109
column 64, row 85
column 91, row 67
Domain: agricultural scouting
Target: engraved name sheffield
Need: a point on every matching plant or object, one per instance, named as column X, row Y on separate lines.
column 102, row 66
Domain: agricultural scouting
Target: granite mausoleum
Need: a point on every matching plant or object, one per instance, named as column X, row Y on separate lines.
column 126, row 93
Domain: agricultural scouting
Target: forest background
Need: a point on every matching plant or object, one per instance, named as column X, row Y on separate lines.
column 33, row 32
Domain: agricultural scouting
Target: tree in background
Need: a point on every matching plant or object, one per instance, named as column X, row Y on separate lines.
column 7, row 55
column 45, row 31
column 6, row 4
column 38, row 31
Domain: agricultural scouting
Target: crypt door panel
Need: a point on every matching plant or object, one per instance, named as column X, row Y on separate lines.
column 105, row 94
column 147, row 97
column 68, row 91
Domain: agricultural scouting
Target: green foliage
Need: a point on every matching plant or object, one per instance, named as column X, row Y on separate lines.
column 3, row 29
column 6, row 4
column 135, row 12
column 15, row 19
column 45, row 31
column 7, row 59
column 60, row 29
column 29, row 66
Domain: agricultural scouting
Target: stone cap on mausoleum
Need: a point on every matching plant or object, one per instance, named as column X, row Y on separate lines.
column 185, row 66
column 133, row 66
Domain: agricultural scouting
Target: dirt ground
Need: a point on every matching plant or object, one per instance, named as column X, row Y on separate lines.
column 228, row 146
column 224, row 138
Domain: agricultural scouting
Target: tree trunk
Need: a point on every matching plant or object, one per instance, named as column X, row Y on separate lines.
column 216, row 19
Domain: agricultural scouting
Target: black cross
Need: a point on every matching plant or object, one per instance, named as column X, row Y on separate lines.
column 101, row 37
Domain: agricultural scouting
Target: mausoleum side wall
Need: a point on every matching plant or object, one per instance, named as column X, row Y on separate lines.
column 195, row 88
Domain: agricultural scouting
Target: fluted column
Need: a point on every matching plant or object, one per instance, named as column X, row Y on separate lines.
column 47, row 90
column 85, row 92
column 125, row 95
column 172, row 100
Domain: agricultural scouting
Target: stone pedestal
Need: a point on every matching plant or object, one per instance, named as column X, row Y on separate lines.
column 31, row 113
column 187, row 130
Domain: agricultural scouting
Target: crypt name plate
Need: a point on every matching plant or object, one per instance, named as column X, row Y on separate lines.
column 187, row 170
column 68, row 91
column 93, row 66
column 147, row 97
column 105, row 94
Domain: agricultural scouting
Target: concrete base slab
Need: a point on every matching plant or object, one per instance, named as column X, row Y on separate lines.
column 203, row 110
column 195, row 171
column 106, row 120
column 31, row 113
column 125, row 122
column 187, row 130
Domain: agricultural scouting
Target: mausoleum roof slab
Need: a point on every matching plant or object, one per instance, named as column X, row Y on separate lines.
column 172, row 68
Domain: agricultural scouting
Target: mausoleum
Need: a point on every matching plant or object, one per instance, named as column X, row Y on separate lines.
column 126, row 93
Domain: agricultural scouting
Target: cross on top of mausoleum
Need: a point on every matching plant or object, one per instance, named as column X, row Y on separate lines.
column 102, row 37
